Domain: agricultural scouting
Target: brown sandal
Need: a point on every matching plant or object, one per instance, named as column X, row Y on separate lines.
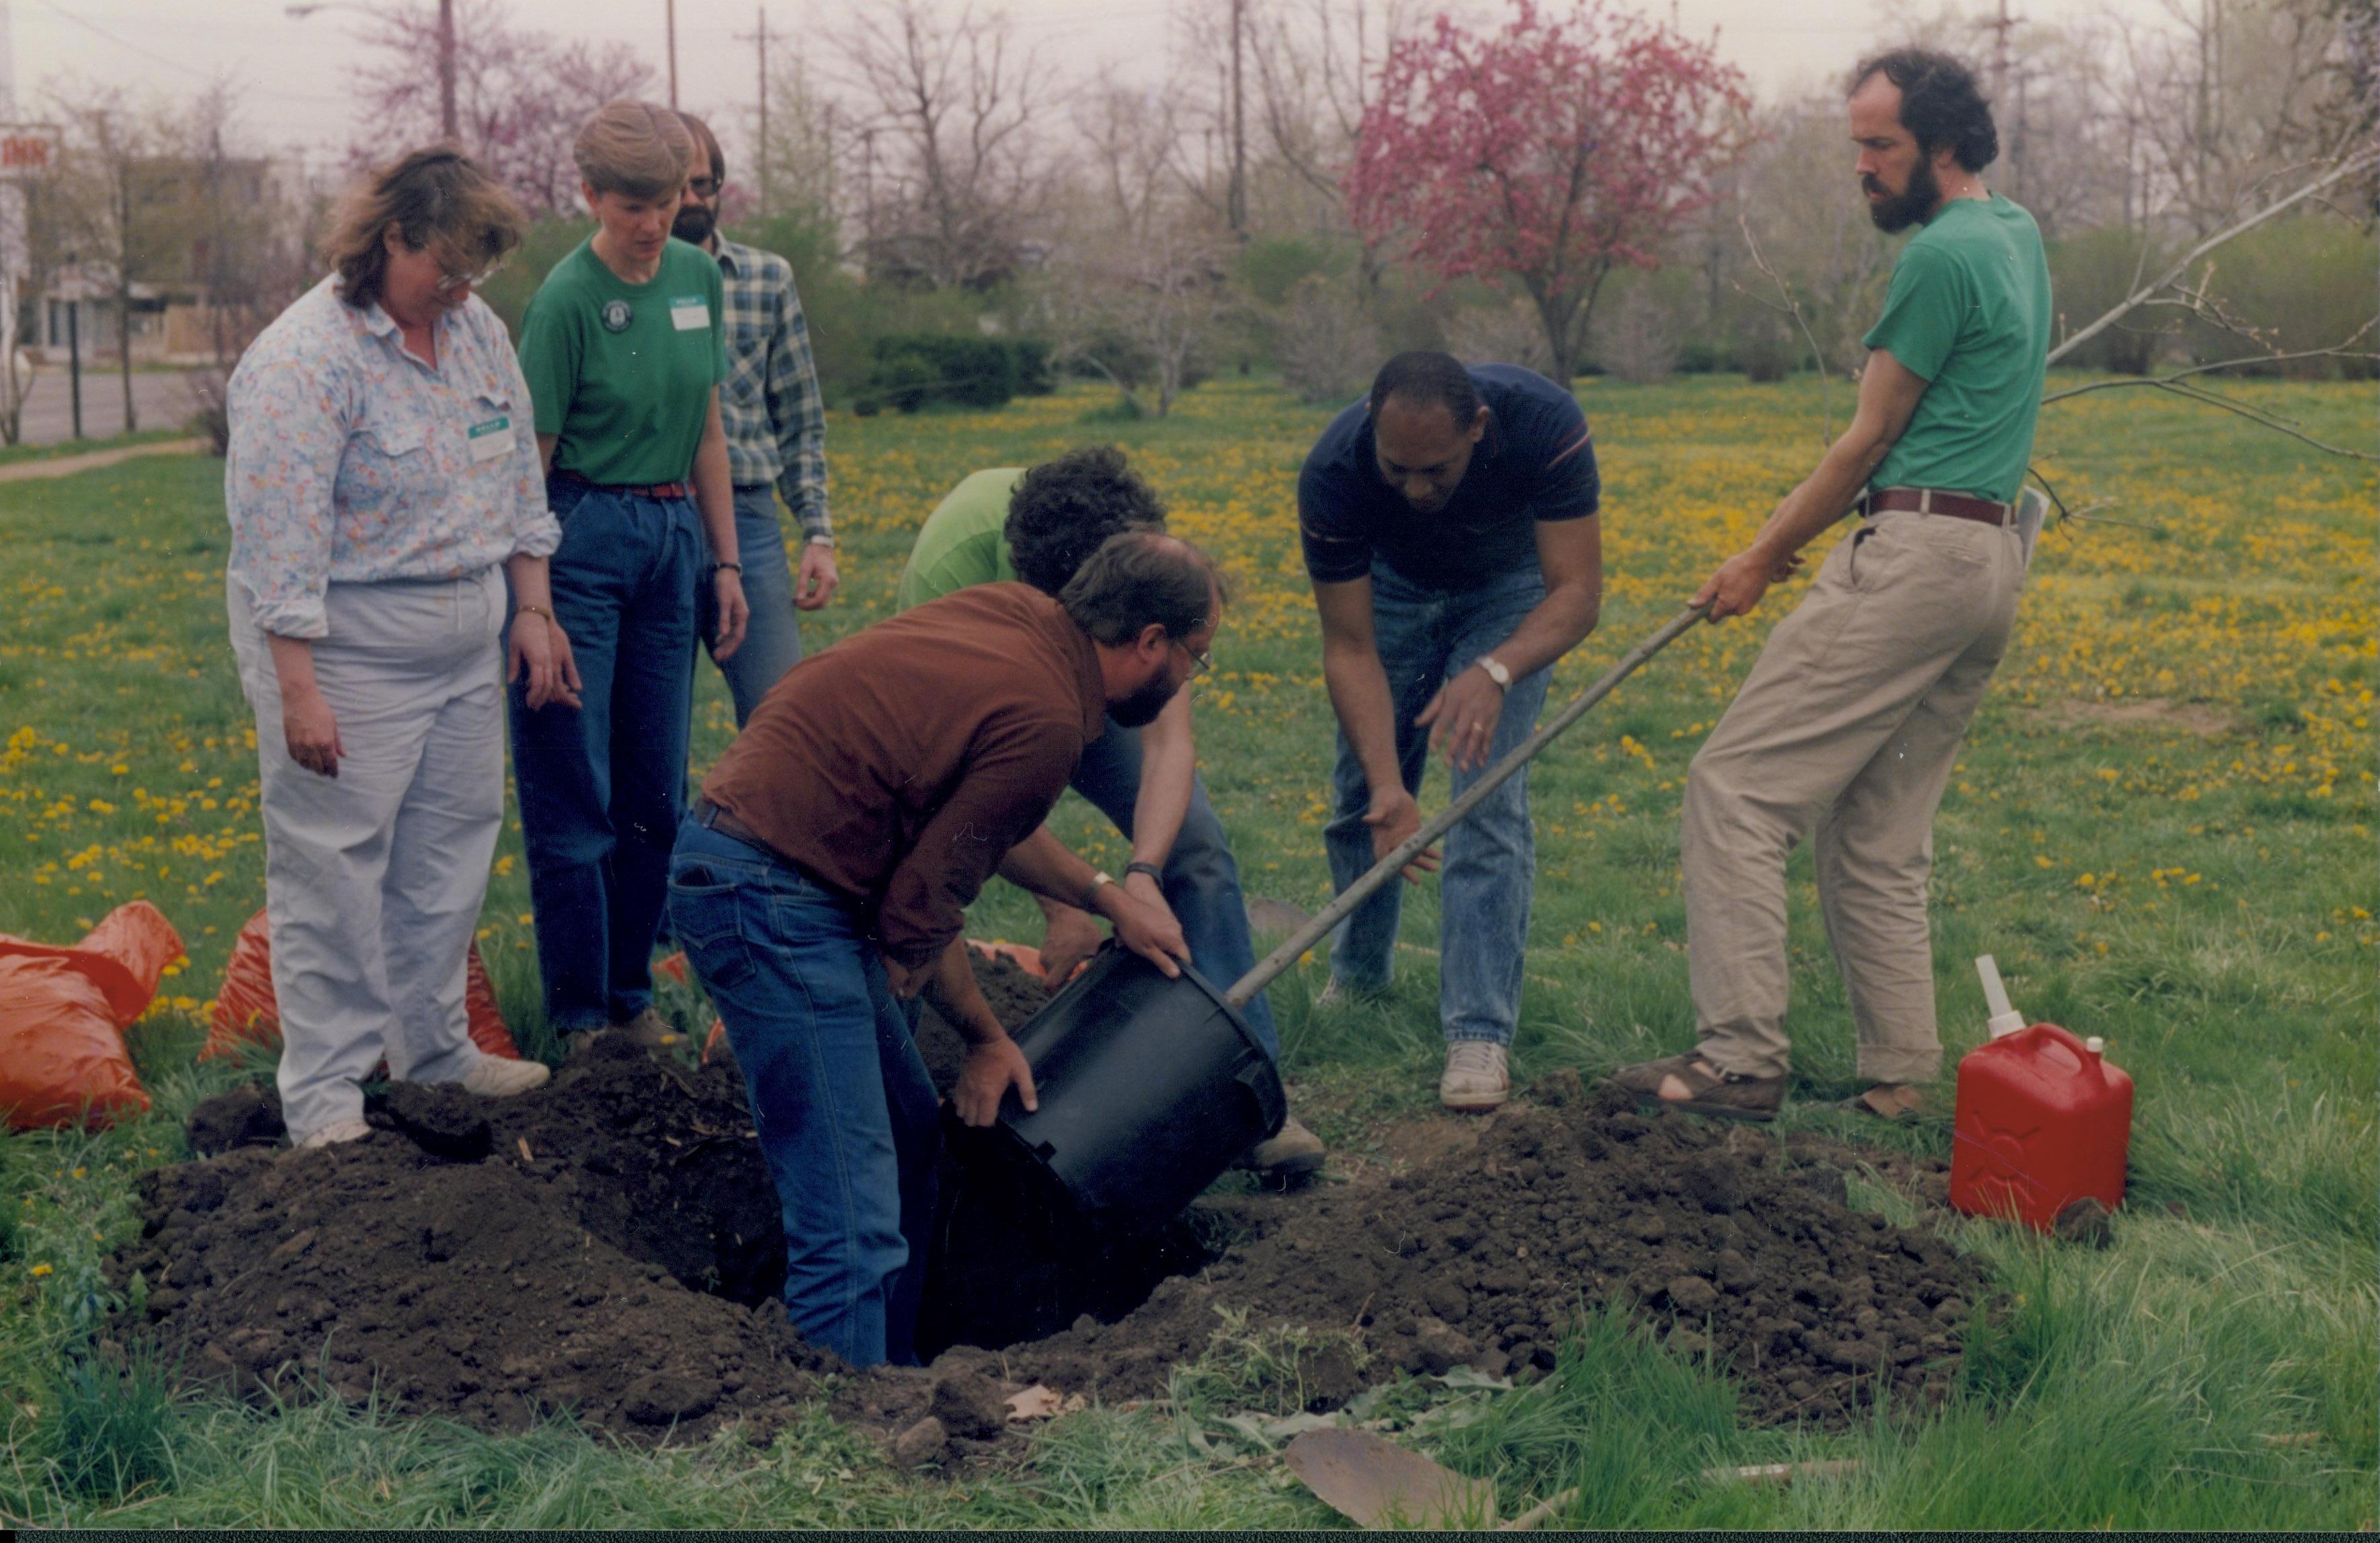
column 1731, row 1095
column 1897, row 1103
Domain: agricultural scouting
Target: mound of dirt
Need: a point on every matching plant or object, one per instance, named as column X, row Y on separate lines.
column 610, row 1243
column 1480, row 1257
column 607, row 1244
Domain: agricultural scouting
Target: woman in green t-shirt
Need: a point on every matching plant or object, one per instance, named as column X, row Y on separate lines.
column 623, row 352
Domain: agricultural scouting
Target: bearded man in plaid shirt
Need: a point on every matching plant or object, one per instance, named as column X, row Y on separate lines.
column 776, row 435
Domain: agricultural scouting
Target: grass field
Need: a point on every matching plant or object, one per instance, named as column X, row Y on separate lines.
column 2162, row 827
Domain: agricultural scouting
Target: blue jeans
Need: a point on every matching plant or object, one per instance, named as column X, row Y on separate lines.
column 1424, row 637
column 1201, row 882
column 772, row 638
column 601, row 787
column 846, row 1115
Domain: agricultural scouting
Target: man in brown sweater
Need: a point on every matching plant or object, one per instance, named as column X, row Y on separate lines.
column 826, row 871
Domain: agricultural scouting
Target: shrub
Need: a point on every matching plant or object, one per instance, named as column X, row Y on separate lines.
column 1326, row 346
column 913, row 369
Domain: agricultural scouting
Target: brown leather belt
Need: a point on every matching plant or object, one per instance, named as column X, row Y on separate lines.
column 658, row 490
column 710, row 817
column 1932, row 501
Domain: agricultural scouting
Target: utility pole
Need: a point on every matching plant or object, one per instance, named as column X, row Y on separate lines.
column 447, row 70
column 763, row 36
column 1238, row 202
column 672, row 19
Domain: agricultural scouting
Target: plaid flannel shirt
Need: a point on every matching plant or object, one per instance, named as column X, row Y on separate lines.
column 776, row 426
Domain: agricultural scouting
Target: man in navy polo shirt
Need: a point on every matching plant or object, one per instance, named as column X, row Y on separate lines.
column 1448, row 524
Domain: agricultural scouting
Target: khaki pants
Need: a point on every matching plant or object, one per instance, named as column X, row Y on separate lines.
column 373, row 878
column 1848, row 725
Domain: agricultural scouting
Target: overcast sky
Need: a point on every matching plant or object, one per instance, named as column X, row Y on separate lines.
column 291, row 72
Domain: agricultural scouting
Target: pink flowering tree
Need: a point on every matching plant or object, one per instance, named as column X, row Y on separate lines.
column 1545, row 155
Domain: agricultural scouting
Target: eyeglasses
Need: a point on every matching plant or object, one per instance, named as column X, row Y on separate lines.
column 1201, row 660
column 704, row 187
column 450, row 283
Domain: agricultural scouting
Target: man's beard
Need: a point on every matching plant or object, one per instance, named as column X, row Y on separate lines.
column 695, row 223
column 1140, row 709
column 1916, row 200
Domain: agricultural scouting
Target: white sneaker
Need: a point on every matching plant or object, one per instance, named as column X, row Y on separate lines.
column 496, row 1077
column 339, row 1131
column 1475, row 1076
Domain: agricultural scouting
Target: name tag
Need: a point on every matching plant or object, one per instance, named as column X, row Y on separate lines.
column 491, row 439
column 690, row 314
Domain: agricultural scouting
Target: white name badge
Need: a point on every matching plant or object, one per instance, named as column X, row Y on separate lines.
column 491, row 439
column 689, row 313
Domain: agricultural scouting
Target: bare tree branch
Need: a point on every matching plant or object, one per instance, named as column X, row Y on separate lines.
column 2141, row 296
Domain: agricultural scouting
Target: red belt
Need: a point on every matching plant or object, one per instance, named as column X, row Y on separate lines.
column 656, row 490
column 1932, row 501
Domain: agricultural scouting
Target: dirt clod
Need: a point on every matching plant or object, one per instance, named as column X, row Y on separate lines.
column 246, row 1116
column 2085, row 1222
column 921, row 1444
column 970, row 1405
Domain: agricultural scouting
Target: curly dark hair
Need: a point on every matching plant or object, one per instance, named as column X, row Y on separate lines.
column 1062, row 511
column 1940, row 104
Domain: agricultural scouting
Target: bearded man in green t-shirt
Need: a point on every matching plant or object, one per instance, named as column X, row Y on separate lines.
column 1848, row 724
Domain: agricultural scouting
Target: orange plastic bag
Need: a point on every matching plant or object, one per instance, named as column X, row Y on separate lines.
column 125, row 956
column 245, row 1014
column 62, row 1056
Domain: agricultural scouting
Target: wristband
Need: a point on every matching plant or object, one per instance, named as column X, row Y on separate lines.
column 1150, row 869
column 826, row 541
column 736, row 569
column 533, row 611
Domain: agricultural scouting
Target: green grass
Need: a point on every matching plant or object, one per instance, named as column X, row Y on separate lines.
column 2161, row 827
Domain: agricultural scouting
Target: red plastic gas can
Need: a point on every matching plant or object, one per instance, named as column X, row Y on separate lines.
column 2043, row 1121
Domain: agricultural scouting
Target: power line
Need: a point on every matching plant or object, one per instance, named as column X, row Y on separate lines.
column 190, row 69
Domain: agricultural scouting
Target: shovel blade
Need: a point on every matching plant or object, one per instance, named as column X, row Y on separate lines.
column 1377, row 1483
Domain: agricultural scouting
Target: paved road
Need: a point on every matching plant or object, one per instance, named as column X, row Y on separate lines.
column 160, row 400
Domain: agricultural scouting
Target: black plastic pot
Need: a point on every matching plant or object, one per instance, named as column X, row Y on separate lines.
column 1149, row 1088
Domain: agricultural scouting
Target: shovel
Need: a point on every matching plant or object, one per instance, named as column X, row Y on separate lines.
column 1377, row 1483
column 1151, row 1085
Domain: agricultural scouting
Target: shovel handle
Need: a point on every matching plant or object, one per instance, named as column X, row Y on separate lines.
column 1243, row 990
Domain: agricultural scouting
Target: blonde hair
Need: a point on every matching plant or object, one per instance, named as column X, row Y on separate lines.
column 634, row 148
column 437, row 199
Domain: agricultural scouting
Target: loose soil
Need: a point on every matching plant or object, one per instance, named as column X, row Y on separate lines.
column 610, row 1244
column 1734, row 1248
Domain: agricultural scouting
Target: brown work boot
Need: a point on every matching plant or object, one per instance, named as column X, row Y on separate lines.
column 1706, row 1088
column 1292, row 1154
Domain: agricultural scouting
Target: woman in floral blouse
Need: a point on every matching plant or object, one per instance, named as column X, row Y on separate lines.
column 381, row 470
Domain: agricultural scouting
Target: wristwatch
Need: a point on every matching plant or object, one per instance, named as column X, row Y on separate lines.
column 1496, row 671
column 1098, row 877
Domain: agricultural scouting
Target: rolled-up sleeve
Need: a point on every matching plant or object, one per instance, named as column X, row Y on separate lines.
column 289, row 424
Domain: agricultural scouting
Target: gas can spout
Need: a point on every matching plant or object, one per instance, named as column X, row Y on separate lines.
column 2006, row 1019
